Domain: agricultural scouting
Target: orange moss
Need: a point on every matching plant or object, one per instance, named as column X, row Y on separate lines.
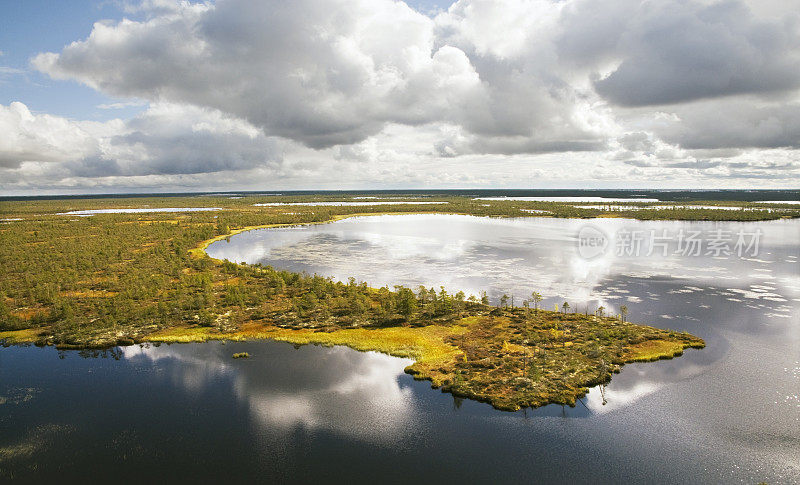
column 89, row 294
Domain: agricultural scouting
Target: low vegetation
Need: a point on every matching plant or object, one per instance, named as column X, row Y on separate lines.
column 121, row 279
column 510, row 358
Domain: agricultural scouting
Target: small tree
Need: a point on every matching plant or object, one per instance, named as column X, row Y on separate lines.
column 565, row 306
column 504, row 300
column 600, row 311
column 536, row 298
column 406, row 302
column 222, row 227
column 423, row 298
column 356, row 305
column 459, row 302
column 623, row 312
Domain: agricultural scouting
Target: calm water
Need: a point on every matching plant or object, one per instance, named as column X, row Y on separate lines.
column 342, row 204
column 142, row 210
column 570, row 199
column 728, row 413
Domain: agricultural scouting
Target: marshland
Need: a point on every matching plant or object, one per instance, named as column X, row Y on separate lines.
column 476, row 297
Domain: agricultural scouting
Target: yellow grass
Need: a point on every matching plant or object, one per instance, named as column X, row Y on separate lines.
column 508, row 347
column 145, row 222
column 411, row 342
column 426, row 345
column 28, row 313
column 229, row 281
column 29, row 335
column 94, row 280
column 651, row 350
column 89, row 294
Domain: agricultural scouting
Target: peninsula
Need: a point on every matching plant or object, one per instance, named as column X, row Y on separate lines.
column 143, row 277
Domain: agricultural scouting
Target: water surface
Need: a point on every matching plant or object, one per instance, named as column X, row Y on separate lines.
column 345, row 203
column 727, row 413
column 140, row 210
column 570, row 199
column 738, row 398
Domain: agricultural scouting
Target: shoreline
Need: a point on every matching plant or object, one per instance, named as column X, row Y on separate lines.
column 489, row 354
column 427, row 346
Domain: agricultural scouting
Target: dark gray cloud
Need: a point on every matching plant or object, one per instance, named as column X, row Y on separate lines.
column 673, row 51
column 734, row 124
column 696, row 164
column 636, row 142
column 198, row 152
column 640, row 163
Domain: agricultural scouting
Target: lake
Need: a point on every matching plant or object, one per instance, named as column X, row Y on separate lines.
column 343, row 204
column 570, row 199
column 727, row 413
column 141, row 210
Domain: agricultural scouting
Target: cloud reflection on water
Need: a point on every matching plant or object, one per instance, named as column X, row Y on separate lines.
column 337, row 389
column 514, row 256
column 717, row 298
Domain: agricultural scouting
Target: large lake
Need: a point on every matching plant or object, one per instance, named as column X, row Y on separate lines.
column 727, row 413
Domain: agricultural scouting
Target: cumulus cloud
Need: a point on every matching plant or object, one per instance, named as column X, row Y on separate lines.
column 320, row 72
column 309, row 89
column 734, row 124
column 165, row 139
column 45, row 138
column 329, row 72
column 676, row 51
column 636, row 142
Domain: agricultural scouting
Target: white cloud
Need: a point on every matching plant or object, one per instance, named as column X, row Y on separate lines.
column 166, row 139
column 372, row 92
column 45, row 138
column 122, row 105
column 322, row 73
column 4, row 70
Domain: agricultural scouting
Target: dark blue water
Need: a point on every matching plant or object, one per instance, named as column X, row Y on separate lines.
column 190, row 412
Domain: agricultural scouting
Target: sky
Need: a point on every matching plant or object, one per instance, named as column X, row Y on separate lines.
column 166, row 96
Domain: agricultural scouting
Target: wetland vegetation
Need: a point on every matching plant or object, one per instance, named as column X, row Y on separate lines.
column 124, row 278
